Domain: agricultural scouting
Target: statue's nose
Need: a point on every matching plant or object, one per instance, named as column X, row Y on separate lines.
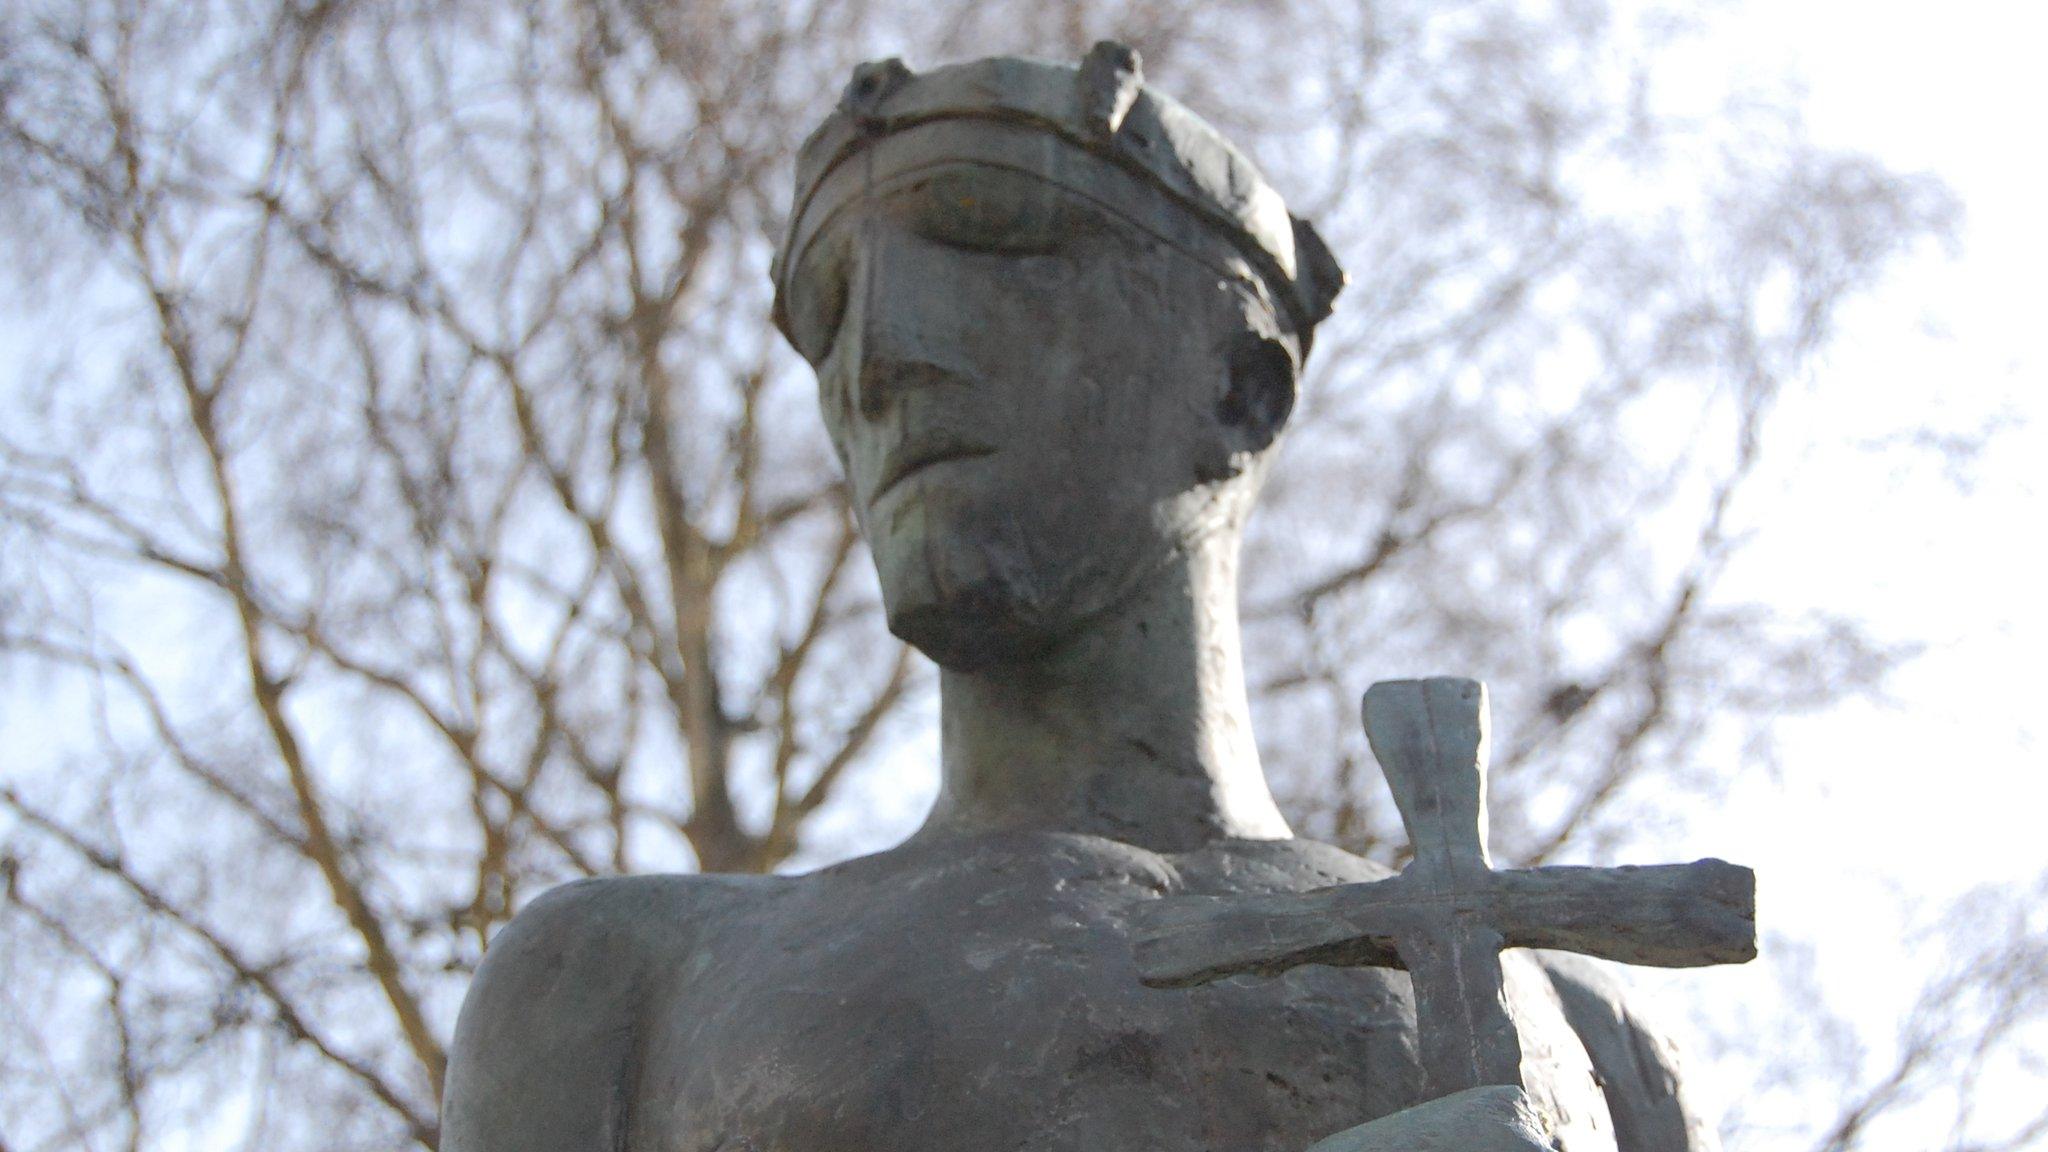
column 904, row 340
column 907, row 326
column 883, row 380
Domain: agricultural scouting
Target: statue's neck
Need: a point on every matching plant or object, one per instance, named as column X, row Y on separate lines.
column 1135, row 729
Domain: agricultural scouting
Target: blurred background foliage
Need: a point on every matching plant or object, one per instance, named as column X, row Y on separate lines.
column 405, row 505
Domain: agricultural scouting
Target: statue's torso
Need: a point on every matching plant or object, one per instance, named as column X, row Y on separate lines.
column 979, row 994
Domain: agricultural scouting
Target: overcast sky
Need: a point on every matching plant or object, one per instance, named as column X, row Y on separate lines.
column 1943, row 786
column 1897, row 807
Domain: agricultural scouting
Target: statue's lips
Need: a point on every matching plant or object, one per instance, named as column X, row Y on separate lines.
column 914, row 456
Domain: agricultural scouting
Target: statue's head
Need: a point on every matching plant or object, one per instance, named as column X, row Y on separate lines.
column 1057, row 322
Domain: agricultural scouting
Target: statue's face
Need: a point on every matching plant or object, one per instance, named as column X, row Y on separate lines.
column 1030, row 397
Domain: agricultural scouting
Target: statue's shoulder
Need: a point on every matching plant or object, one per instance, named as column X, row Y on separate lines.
column 1292, row 865
column 630, row 928
column 664, row 908
column 546, row 1039
column 926, row 868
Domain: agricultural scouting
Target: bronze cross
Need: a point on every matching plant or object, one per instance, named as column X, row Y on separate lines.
column 1447, row 916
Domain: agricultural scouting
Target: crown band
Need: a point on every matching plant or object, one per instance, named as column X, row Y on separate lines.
column 1102, row 115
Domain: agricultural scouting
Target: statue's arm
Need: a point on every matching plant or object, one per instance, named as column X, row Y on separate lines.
column 542, row 1060
column 1486, row 1119
column 1638, row 1064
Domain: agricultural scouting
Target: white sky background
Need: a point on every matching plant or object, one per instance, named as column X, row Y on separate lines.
column 1936, row 791
column 1959, row 91
column 1890, row 810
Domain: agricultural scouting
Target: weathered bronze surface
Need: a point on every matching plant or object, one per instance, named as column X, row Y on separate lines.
column 1057, row 322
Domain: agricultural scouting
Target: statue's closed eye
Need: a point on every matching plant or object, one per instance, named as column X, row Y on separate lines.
column 817, row 300
column 984, row 210
column 978, row 209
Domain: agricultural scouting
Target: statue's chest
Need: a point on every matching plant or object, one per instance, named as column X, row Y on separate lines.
column 977, row 1012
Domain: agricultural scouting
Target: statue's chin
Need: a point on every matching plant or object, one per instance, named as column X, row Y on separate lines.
column 963, row 595
column 972, row 599
column 969, row 632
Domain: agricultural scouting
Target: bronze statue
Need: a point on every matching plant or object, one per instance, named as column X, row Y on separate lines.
column 1057, row 322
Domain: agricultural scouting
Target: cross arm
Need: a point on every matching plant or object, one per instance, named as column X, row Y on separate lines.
column 1187, row 940
column 1664, row 915
column 1667, row 915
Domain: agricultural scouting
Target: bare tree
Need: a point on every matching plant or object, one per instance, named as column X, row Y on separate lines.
column 405, row 505
column 1958, row 1070
column 506, row 555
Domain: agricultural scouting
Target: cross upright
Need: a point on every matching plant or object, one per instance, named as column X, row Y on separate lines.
column 1447, row 916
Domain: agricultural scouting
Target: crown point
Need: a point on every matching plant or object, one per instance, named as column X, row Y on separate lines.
column 872, row 84
column 1112, row 74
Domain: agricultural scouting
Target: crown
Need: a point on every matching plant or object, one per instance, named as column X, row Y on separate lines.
column 1102, row 108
